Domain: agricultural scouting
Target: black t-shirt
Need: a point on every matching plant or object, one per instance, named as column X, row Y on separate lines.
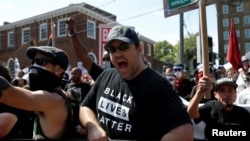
column 217, row 119
column 81, row 90
column 95, row 71
column 146, row 107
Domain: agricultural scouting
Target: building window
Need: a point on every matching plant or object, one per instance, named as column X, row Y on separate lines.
column 61, row 28
column 11, row 39
column 247, row 33
column 225, row 23
column 239, row 7
column 149, row 50
column 247, row 19
column 225, row 35
column 149, row 64
column 43, row 31
column 236, row 20
column 247, row 45
column 225, row 48
column 25, row 35
column 237, row 33
column 91, row 29
column 142, row 47
column 0, row 41
column 225, row 9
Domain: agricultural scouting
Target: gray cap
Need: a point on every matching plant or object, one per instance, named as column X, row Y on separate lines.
column 122, row 33
column 224, row 81
column 57, row 55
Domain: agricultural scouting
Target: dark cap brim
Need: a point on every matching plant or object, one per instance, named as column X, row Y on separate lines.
column 225, row 83
column 32, row 51
column 123, row 39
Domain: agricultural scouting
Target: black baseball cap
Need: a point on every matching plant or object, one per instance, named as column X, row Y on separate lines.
column 224, row 81
column 123, row 33
column 59, row 56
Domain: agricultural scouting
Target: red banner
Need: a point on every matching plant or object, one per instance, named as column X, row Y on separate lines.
column 233, row 52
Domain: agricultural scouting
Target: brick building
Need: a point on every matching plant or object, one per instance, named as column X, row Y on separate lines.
column 239, row 12
column 35, row 31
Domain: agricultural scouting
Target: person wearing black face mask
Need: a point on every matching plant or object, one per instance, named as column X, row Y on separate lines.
column 45, row 96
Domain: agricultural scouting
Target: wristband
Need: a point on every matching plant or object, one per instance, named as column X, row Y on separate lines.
column 4, row 84
column 72, row 32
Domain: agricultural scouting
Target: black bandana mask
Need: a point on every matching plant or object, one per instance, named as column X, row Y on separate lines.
column 41, row 79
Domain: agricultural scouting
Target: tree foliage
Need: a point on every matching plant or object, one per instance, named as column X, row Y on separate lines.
column 165, row 52
column 189, row 48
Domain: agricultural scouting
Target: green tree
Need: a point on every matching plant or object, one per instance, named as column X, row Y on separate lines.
column 165, row 52
column 189, row 53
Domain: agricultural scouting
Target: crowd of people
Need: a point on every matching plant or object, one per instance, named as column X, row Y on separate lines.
column 127, row 100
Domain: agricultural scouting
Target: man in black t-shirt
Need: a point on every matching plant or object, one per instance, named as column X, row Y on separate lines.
column 223, row 118
column 77, row 90
column 131, row 100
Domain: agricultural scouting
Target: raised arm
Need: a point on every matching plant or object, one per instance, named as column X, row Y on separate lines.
column 78, row 46
column 204, row 84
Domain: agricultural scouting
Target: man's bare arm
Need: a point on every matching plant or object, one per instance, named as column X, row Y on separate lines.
column 204, row 85
column 89, row 121
column 24, row 99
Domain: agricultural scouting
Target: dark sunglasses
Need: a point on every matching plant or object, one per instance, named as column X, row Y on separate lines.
column 177, row 69
column 42, row 61
column 122, row 47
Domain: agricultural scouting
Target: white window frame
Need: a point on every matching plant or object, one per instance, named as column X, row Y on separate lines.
column 11, row 37
column 226, row 35
column 143, row 49
column 43, row 31
column 224, row 9
column 91, row 29
column 149, row 64
column 236, row 20
column 226, row 22
column 149, row 50
column 225, row 48
column 239, row 7
column 247, row 46
column 247, row 33
column 25, row 35
column 237, row 33
column 61, row 28
column 247, row 19
column 0, row 41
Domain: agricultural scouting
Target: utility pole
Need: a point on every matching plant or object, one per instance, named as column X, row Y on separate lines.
column 181, row 38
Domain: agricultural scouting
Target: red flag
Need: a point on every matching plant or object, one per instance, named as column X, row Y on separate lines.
column 233, row 52
column 50, row 40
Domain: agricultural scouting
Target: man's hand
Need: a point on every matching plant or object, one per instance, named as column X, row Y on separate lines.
column 205, row 84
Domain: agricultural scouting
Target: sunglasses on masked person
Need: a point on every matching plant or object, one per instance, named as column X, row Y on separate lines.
column 42, row 61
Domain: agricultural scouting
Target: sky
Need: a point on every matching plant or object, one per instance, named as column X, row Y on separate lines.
column 147, row 16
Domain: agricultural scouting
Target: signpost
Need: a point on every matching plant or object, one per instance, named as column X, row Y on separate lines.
column 173, row 7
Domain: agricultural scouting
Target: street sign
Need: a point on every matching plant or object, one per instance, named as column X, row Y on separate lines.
column 174, row 7
column 174, row 4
